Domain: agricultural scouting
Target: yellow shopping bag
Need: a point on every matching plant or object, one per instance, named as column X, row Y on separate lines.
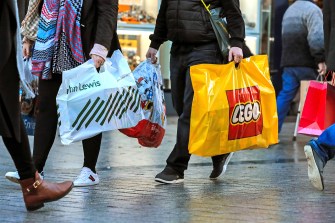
column 233, row 108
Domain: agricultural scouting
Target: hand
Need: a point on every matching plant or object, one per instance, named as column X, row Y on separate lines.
column 98, row 60
column 236, row 54
column 151, row 54
column 322, row 68
column 26, row 48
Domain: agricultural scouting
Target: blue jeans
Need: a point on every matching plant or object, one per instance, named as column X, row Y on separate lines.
column 291, row 82
column 324, row 146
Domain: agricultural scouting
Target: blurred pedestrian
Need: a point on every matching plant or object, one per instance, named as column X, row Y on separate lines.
column 35, row 191
column 319, row 151
column 303, row 55
column 64, row 34
column 186, row 23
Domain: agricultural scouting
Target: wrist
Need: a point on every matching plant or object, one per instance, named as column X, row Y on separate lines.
column 26, row 40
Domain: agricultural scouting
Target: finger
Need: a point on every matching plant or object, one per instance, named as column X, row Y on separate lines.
column 230, row 56
column 28, row 52
column 25, row 54
column 237, row 59
column 96, row 64
column 148, row 55
column 153, row 59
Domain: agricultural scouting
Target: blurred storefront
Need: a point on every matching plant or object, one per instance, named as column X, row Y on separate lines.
column 137, row 20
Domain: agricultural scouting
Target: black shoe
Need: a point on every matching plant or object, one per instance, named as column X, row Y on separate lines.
column 220, row 166
column 315, row 167
column 169, row 176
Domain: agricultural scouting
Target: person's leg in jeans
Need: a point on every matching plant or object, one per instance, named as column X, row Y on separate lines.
column 326, row 142
column 286, row 95
column 324, row 146
column 318, row 152
column 291, row 83
column 46, row 120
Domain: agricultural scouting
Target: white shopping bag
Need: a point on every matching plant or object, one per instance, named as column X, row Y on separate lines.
column 90, row 102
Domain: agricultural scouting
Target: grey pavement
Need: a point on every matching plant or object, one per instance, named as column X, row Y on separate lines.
column 261, row 185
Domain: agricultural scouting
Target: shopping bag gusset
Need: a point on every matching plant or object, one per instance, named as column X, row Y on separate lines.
column 233, row 108
column 90, row 102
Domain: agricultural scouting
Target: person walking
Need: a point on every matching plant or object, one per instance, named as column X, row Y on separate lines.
column 35, row 191
column 319, row 151
column 302, row 51
column 186, row 23
column 64, row 34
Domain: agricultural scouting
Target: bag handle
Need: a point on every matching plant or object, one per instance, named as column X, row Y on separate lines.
column 333, row 77
column 324, row 78
column 320, row 78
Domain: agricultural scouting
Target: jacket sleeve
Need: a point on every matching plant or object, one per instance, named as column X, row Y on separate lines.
column 29, row 25
column 107, row 11
column 160, row 32
column 315, row 35
column 235, row 22
column 326, row 25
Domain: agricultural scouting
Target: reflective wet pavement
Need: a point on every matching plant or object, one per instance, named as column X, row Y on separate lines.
column 264, row 185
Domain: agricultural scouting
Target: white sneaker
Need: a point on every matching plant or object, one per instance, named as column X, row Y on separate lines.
column 86, row 178
column 14, row 176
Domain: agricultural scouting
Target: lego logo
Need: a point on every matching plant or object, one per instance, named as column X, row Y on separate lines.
column 245, row 117
column 245, row 113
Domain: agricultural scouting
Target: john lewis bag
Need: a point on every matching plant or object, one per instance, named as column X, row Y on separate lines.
column 90, row 102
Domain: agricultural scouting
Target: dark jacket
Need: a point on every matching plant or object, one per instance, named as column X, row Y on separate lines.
column 102, row 31
column 329, row 29
column 187, row 22
column 9, row 77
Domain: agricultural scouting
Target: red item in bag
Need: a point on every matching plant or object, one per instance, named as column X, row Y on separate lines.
column 148, row 134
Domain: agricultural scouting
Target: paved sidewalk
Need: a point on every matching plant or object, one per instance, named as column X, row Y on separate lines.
column 259, row 186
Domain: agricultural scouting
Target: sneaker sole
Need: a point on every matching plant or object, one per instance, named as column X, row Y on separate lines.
column 84, row 185
column 224, row 169
column 12, row 179
column 169, row 182
column 313, row 170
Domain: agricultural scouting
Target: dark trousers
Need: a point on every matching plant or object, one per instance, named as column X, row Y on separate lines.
column 19, row 150
column 182, row 57
column 46, row 126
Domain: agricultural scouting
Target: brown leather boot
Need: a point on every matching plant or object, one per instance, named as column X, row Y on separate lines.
column 36, row 191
